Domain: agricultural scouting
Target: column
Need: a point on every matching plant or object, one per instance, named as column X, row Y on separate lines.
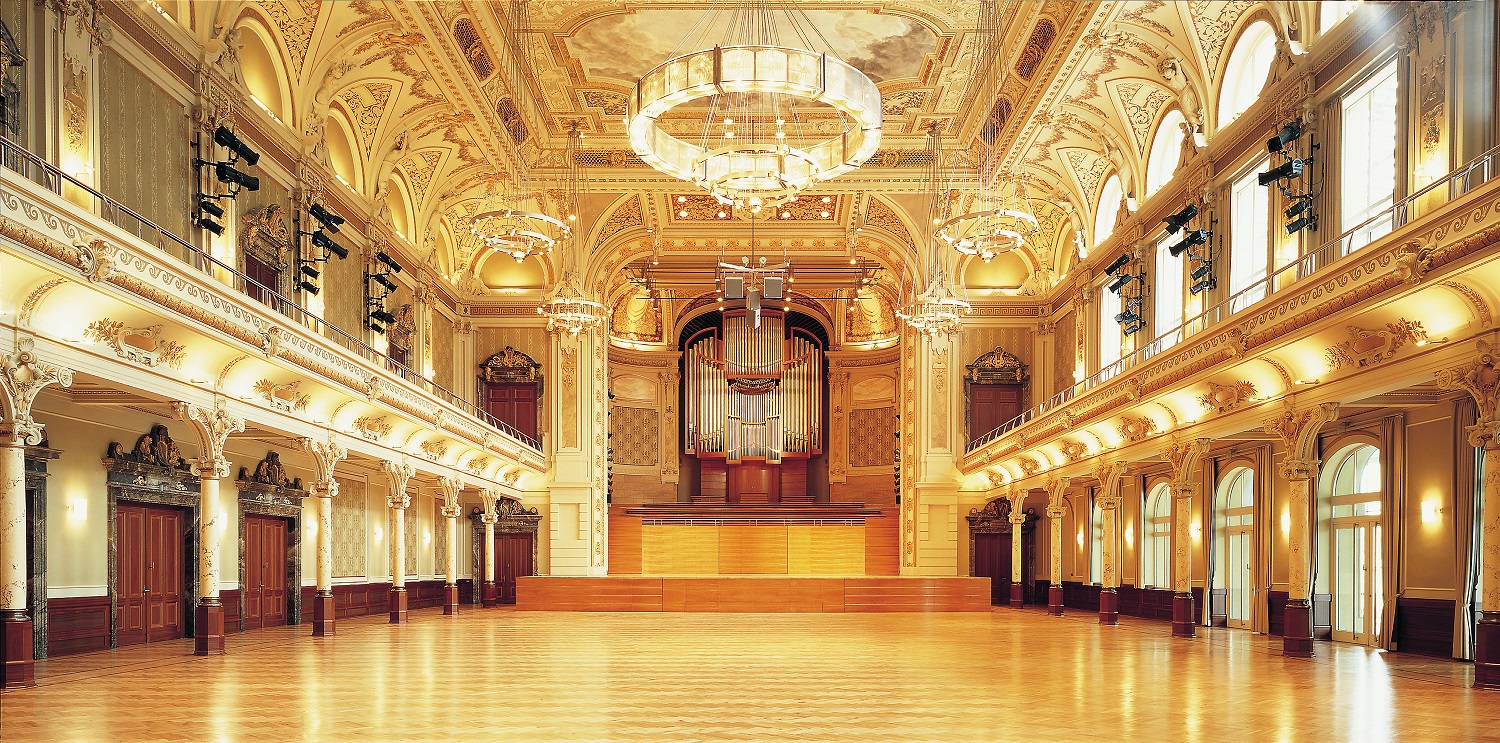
column 1017, row 520
column 1184, row 457
column 400, row 474
column 1057, row 489
column 213, row 427
column 1298, row 430
column 932, row 393
column 1108, row 500
column 489, row 595
column 1481, row 379
column 325, row 457
column 22, row 376
column 452, row 487
column 578, row 513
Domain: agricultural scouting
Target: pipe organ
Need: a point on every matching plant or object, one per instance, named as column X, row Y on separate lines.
column 754, row 391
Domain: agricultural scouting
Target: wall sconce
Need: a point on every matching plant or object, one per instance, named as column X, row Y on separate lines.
column 1080, row 539
column 78, row 510
column 426, row 537
column 312, row 528
column 1286, row 523
column 1129, row 536
column 1431, row 511
column 378, row 533
column 1196, row 529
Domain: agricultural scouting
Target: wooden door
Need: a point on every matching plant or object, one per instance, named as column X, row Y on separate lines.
column 991, row 406
column 149, row 602
column 514, row 404
column 266, row 280
column 512, row 560
column 264, row 582
column 992, row 560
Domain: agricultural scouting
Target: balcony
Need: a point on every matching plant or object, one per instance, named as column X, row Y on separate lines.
column 90, row 238
column 1438, row 227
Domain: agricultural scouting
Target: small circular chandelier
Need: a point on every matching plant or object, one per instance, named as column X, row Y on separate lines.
column 568, row 312
column 566, row 309
column 777, row 120
column 937, row 307
column 984, row 211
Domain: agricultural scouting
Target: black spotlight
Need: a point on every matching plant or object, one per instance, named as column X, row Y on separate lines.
column 383, row 316
column 377, row 327
column 1119, row 283
column 210, row 208
column 1193, row 237
column 225, row 138
column 1127, row 316
column 1180, row 219
column 227, row 174
column 210, row 225
column 308, row 287
column 325, row 242
column 388, row 261
column 308, row 271
column 1118, row 264
column 380, row 279
column 1299, row 205
column 1298, row 224
column 1134, row 327
column 1286, row 136
column 1203, row 285
column 1290, row 169
column 1202, row 270
column 328, row 219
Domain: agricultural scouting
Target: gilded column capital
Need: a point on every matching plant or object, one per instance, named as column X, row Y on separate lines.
column 326, row 456
column 400, row 474
column 213, row 426
column 1184, row 456
column 1480, row 377
column 452, row 487
column 1298, row 431
column 22, row 377
column 1109, row 474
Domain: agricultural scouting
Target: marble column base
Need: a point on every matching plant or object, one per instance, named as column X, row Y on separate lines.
column 398, row 605
column 1298, row 640
column 208, row 628
column 1487, row 652
column 1182, row 616
column 450, row 600
column 1017, row 596
column 1109, row 606
column 323, row 614
column 17, row 668
column 490, row 594
column 1055, row 600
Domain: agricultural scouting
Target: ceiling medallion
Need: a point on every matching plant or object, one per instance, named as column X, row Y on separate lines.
column 764, row 107
column 984, row 212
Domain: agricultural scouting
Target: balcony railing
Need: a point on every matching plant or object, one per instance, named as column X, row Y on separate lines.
column 33, row 168
column 1477, row 171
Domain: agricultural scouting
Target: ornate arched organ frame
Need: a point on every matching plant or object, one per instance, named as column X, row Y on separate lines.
column 754, row 392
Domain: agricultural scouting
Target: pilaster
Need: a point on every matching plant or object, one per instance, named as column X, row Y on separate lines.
column 578, row 513
column 398, row 500
column 930, row 513
column 1298, row 430
column 213, row 427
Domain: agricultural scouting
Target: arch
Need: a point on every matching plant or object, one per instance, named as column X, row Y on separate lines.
column 262, row 69
column 1231, row 589
column 1156, row 538
column 1246, row 71
column 341, row 152
column 1166, row 151
column 1351, row 542
column 1330, row 12
column 1108, row 209
column 398, row 200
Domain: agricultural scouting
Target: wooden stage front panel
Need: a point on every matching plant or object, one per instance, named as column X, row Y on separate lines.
column 752, row 549
column 752, row 594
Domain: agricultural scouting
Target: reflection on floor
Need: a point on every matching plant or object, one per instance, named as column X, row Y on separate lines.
column 505, row 675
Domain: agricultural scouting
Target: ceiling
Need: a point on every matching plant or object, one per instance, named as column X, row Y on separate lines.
column 412, row 104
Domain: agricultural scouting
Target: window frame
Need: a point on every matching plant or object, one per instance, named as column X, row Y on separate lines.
column 1226, row 115
column 1385, row 66
column 1156, row 538
column 1154, row 158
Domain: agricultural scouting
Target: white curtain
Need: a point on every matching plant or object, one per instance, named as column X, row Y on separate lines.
column 1393, row 473
column 1468, row 473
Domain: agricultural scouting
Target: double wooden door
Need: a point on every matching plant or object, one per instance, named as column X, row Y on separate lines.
column 149, row 591
column 264, row 583
column 514, row 404
column 992, row 559
column 512, row 560
column 992, row 406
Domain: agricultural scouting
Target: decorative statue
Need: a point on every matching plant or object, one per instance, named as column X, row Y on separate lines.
column 270, row 471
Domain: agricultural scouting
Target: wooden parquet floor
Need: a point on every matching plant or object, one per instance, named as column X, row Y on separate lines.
column 501, row 675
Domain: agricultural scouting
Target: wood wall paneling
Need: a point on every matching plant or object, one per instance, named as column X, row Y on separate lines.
column 1425, row 626
column 77, row 625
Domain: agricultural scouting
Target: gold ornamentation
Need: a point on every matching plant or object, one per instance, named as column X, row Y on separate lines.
column 141, row 345
column 372, row 427
column 1481, row 379
column 1222, row 398
column 1298, row 430
column 997, row 367
column 1134, row 430
column 434, row 449
column 284, row 397
column 1370, row 347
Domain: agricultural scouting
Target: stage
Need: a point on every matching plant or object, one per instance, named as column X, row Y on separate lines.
column 753, row 593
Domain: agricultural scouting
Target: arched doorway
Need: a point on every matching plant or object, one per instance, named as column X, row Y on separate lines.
column 1233, row 550
column 1352, row 552
column 1156, row 539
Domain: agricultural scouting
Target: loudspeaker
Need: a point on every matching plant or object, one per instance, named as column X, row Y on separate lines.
column 773, row 287
column 734, row 287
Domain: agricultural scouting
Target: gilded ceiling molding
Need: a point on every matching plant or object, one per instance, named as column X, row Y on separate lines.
column 1367, row 347
column 284, row 397
column 144, row 346
column 1226, row 398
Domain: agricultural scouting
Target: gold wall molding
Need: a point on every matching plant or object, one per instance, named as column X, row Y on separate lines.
column 144, row 346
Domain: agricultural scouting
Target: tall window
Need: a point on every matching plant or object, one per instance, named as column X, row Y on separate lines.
column 1109, row 209
column 1096, row 544
column 1156, row 542
column 1354, row 528
column 1234, row 525
column 1166, row 151
column 1110, row 337
column 1166, row 316
column 1249, row 228
column 1367, row 157
column 1245, row 74
column 1330, row 12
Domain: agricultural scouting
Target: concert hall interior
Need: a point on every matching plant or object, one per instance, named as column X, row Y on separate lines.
column 871, row 369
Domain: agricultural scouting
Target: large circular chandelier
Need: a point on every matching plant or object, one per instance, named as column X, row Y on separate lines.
column 986, row 212
column 776, row 120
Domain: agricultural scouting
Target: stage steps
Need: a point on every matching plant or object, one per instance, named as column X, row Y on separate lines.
column 753, row 594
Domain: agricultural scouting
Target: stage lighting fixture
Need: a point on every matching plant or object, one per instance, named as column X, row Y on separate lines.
column 383, row 316
column 1299, row 205
column 1202, row 270
column 1203, row 285
column 1297, row 224
column 233, row 177
column 375, row 326
column 1290, row 169
column 225, row 138
column 1286, row 136
column 309, row 271
column 388, row 261
column 328, row 219
column 1134, row 327
column 1195, row 237
column 320, row 240
column 1119, row 283
column 1118, row 264
column 1127, row 316
column 210, row 225
column 380, row 279
column 210, row 208
column 1179, row 220
column 308, row 287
